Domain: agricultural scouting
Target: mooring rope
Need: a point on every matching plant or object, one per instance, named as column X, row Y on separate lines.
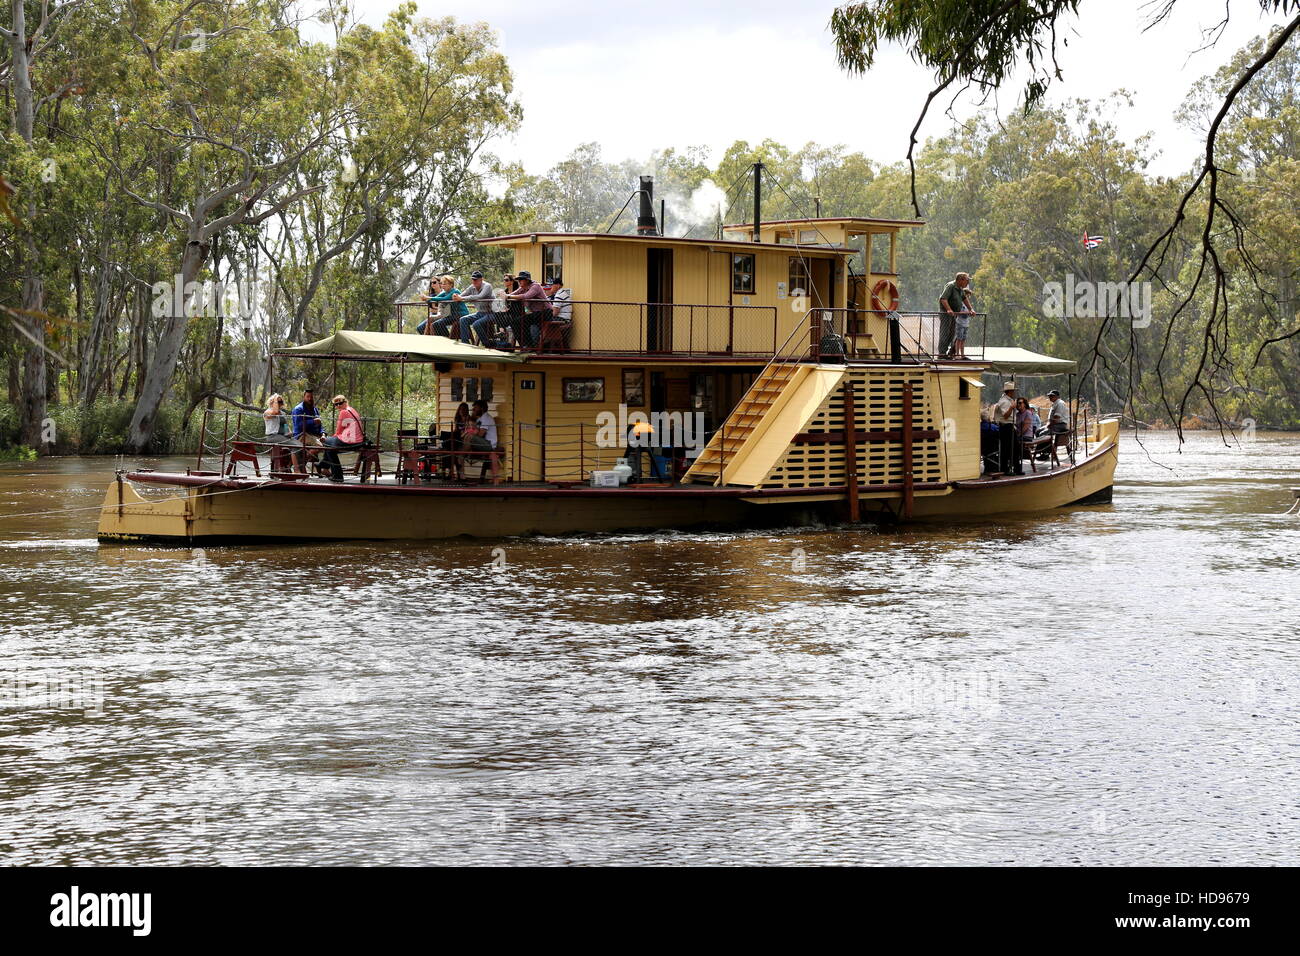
column 147, row 501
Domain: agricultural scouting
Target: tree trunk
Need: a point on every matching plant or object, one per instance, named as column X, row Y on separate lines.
column 33, row 406
column 158, row 378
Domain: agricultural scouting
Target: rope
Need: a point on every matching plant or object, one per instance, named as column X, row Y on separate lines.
column 150, row 501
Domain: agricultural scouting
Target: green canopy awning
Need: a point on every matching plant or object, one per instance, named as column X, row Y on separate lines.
column 388, row 346
column 1007, row 359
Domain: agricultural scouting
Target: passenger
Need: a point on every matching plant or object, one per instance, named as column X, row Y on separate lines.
column 459, row 442
column 1025, row 416
column 1004, row 414
column 307, row 428
column 456, row 311
column 279, row 427
column 1058, row 419
column 955, row 305
column 514, row 310
column 561, row 300
column 348, row 435
column 484, row 322
column 430, row 296
column 483, row 437
column 533, row 298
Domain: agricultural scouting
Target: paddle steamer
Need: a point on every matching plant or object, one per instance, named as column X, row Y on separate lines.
column 803, row 393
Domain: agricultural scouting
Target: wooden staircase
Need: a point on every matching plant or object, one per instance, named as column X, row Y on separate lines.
column 760, row 427
column 719, row 457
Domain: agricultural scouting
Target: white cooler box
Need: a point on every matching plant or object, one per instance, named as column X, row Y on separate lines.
column 604, row 479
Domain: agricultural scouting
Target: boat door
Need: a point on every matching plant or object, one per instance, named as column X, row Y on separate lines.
column 527, row 444
column 659, row 295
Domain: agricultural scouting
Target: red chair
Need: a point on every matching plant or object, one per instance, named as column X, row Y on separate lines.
column 242, row 451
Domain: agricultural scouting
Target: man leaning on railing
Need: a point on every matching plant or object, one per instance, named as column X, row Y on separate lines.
column 955, row 304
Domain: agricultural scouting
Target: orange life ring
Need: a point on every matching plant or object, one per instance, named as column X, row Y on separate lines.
column 884, row 291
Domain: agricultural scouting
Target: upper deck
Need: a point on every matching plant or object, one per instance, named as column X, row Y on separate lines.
column 735, row 298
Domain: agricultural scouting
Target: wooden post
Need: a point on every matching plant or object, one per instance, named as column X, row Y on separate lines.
column 203, row 437
column 225, row 441
column 907, row 450
column 851, row 449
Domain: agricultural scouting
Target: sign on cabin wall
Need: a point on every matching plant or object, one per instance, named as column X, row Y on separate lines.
column 584, row 389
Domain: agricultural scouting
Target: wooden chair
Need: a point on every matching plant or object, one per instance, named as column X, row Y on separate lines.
column 242, row 451
column 554, row 336
column 1030, row 450
column 408, row 459
column 282, row 458
column 1062, row 440
column 368, row 466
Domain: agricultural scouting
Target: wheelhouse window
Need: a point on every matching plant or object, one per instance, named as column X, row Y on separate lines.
column 552, row 262
column 742, row 274
column 800, row 282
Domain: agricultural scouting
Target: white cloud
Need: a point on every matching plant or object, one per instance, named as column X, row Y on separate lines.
column 680, row 73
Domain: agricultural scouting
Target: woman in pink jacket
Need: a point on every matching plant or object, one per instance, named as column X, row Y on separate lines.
column 348, row 434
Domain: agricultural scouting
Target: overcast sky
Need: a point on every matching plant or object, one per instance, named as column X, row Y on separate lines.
column 635, row 77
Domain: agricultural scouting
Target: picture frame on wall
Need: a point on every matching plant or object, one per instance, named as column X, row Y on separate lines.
column 584, row 389
column 634, row 387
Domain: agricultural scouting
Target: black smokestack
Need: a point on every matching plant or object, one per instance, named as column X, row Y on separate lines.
column 645, row 220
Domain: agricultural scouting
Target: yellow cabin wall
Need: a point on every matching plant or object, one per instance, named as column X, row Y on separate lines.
column 614, row 271
column 961, row 425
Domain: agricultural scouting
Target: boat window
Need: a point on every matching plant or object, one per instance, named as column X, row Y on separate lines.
column 742, row 273
column 799, row 278
column 552, row 261
column 881, row 245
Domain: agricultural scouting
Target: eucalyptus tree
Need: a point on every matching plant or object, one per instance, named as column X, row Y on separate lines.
column 29, row 43
column 401, row 173
column 983, row 44
column 227, row 105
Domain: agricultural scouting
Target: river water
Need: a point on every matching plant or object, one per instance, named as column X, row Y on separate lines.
column 1106, row 685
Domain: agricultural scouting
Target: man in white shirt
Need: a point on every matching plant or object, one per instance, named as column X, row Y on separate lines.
column 1004, row 414
column 483, row 438
column 561, row 300
column 1058, row 419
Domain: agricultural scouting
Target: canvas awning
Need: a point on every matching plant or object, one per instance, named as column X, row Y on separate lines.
column 1012, row 360
column 973, row 380
column 389, row 346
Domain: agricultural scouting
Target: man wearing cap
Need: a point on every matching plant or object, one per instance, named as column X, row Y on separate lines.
column 533, row 298
column 955, row 307
column 1058, row 419
column 1004, row 414
column 561, row 299
column 480, row 295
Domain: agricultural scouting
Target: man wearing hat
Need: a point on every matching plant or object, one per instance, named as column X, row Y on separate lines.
column 533, row 298
column 479, row 294
column 1004, row 415
column 561, row 299
column 1058, row 419
column 954, row 314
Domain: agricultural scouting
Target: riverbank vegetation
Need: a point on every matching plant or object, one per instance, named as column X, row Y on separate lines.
column 186, row 186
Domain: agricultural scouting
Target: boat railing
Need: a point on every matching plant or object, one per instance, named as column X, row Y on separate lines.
column 538, row 453
column 614, row 328
column 891, row 335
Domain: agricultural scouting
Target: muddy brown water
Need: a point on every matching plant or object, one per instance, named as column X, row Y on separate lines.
column 1113, row 685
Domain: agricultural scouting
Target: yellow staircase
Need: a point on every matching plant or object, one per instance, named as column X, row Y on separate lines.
column 758, row 431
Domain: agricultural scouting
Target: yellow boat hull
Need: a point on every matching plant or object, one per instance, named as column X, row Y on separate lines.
column 193, row 509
